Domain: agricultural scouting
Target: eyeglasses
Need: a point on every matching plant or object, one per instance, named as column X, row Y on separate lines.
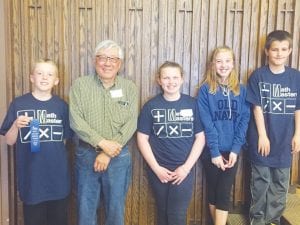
column 104, row 58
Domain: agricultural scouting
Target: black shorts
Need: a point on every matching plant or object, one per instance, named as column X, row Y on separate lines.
column 219, row 183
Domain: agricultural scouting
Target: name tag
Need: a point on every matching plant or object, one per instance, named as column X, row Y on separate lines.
column 186, row 112
column 116, row 93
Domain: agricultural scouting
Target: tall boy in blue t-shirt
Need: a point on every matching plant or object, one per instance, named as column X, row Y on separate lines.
column 38, row 123
column 274, row 130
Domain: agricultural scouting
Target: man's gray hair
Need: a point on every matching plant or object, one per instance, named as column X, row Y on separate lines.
column 108, row 44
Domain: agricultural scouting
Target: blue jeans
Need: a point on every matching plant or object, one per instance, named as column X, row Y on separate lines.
column 113, row 183
column 172, row 201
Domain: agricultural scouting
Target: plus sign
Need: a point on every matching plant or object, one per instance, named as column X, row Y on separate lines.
column 35, row 9
column 85, row 7
column 285, row 11
column 184, row 10
column 134, row 8
column 158, row 116
column 235, row 12
column 35, row 5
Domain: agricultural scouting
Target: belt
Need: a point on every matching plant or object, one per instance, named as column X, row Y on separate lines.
column 87, row 145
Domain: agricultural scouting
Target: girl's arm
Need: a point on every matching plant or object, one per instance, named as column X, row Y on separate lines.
column 195, row 152
column 241, row 129
column 162, row 173
column 182, row 171
column 211, row 133
column 145, row 149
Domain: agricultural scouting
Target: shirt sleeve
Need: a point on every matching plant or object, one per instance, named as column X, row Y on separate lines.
column 298, row 91
column 128, row 128
column 77, row 121
column 68, row 133
column 240, row 132
column 198, row 126
column 211, row 133
column 253, row 95
column 145, row 122
column 8, row 120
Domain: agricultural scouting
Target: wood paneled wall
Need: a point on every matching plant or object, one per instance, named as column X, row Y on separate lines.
column 150, row 33
column 4, row 199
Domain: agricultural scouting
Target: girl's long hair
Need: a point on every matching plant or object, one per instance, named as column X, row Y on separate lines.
column 211, row 77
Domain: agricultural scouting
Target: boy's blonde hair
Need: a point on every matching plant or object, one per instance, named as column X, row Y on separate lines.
column 211, row 77
column 48, row 61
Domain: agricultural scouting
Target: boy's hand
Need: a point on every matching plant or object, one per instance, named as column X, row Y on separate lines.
column 263, row 145
column 295, row 144
column 22, row 121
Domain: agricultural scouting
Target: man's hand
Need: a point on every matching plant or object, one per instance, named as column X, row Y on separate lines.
column 111, row 148
column 101, row 162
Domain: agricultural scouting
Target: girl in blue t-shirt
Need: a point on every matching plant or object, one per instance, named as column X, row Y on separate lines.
column 171, row 138
column 225, row 115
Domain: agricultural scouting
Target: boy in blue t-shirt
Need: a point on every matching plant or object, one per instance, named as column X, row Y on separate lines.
column 274, row 129
column 38, row 123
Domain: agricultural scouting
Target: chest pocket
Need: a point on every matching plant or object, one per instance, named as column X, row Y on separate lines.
column 121, row 111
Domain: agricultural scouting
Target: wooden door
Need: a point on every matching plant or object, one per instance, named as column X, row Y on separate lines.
column 150, row 32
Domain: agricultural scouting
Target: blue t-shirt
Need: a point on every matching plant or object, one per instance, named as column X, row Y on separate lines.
column 279, row 97
column 42, row 175
column 171, row 126
column 225, row 118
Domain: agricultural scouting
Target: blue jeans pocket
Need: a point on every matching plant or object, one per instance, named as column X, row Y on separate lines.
column 85, row 158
